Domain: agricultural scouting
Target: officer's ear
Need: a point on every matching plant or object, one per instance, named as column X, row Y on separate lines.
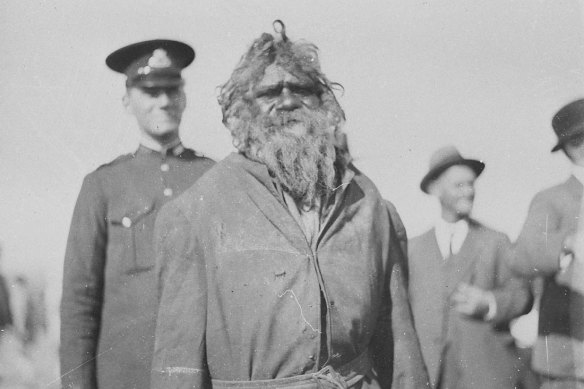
column 126, row 102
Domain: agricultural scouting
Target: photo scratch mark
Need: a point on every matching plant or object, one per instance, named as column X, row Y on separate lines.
column 293, row 295
column 81, row 365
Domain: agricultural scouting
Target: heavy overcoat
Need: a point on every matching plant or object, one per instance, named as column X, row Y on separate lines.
column 459, row 351
column 109, row 303
column 246, row 298
column 553, row 215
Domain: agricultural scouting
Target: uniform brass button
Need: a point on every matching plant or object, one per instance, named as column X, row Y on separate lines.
column 311, row 357
column 167, row 192
column 164, row 167
column 126, row 222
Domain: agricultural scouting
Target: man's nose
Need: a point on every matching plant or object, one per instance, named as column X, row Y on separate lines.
column 164, row 99
column 288, row 101
column 468, row 190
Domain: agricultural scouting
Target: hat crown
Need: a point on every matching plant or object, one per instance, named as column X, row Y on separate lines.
column 569, row 119
column 445, row 155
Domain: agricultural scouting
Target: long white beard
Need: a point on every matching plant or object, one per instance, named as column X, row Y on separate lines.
column 298, row 149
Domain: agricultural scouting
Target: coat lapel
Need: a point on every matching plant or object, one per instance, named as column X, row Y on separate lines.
column 262, row 193
column 462, row 266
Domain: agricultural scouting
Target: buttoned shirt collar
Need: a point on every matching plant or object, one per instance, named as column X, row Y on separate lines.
column 578, row 172
column 175, row 146
column 450, row 236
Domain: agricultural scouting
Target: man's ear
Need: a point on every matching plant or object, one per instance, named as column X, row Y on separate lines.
column 126, row 103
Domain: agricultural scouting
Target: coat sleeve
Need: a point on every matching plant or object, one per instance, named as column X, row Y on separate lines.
column 513, row 295
column 396, row 339
column 83, row 288
column 179, row 359
column 537, row 250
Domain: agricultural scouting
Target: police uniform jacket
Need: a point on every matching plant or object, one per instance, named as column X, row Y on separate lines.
column 248, row 301
column 109, row 301
column 459, row 351
column 553, row 213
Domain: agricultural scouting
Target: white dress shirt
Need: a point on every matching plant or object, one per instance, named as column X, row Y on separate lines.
column 450, row 236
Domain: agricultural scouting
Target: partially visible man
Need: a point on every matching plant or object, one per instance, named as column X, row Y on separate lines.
column 462, row 293
column 545, row 247
column 110, row 293
column 282, row 264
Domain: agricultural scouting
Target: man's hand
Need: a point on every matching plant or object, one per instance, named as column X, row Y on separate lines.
column 472, row 301
column 574, row 245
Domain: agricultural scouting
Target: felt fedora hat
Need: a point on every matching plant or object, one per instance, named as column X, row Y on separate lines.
column 568, row 123
column 444, row 158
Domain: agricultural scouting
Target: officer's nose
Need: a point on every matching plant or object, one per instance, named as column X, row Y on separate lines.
column 164, row 99
column 288, row 101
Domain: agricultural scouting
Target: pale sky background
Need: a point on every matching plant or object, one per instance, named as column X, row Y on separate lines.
column 486, row 76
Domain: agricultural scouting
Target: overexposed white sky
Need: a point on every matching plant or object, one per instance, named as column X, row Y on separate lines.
column 485, row 76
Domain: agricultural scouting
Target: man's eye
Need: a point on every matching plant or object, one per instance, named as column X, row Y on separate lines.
column 303, row 90
column 269, row 93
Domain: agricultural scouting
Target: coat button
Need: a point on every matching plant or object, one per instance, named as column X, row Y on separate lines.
column 126, row 222
column 167, row 192
column 164, row 167
column 311, row 357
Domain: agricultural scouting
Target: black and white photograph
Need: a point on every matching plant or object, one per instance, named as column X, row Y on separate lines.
column 229, row 194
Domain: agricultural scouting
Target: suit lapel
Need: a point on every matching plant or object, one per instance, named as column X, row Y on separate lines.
column 462, row 266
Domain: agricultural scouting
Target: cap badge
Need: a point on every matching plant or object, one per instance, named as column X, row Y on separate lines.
column 159, row 59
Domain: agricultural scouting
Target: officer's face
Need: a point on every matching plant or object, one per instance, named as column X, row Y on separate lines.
column 280, row 92
column 455, row 190
column 158, row 110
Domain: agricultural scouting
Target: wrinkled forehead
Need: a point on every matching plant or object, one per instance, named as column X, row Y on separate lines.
column 276, row 74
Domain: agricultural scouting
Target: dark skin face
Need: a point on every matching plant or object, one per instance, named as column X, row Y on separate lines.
column 280, row 91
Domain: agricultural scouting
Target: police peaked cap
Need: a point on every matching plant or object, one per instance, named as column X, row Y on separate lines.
column 153, row 63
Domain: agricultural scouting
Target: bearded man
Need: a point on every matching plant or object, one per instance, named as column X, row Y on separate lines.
column 281, row 267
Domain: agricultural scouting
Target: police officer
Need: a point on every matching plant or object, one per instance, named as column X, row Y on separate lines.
column 109, row 303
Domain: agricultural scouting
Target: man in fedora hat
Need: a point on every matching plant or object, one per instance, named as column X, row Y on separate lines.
column 110, row 294
column 461, row 291
column 550, row 246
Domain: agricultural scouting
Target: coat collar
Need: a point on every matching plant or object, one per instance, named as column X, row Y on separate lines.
column 262, row 191
column 575, row 187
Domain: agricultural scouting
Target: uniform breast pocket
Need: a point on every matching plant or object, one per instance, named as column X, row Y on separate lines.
column 132, row 230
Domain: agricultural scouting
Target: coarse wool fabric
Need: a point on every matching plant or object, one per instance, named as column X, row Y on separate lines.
column 110, row 300
column 243, row 293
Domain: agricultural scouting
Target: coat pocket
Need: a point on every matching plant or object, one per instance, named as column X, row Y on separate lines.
column 133, row 228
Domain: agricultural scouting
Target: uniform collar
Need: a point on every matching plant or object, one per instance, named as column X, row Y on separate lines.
column 175, row 147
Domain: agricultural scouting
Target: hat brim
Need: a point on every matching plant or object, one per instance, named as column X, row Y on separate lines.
column 120, row 59
column 476, row 166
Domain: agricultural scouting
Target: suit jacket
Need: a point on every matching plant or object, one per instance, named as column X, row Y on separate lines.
column 109, row 303
column 459, row 351
column 553, row 213
column 247, row 298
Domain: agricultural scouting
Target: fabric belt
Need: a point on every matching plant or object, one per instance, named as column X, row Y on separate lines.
column 328, row 377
